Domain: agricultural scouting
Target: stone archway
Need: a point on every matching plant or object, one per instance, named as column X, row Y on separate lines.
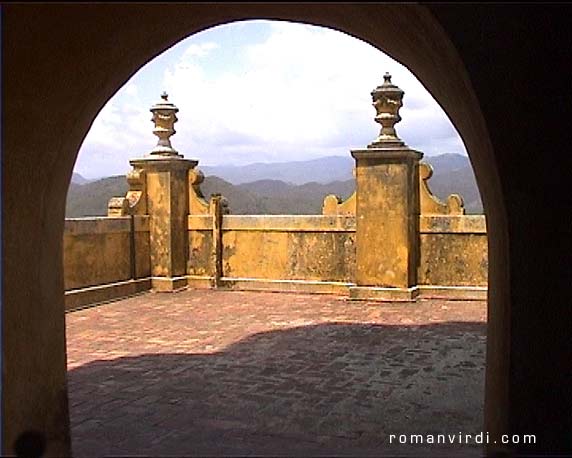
column 81, row 55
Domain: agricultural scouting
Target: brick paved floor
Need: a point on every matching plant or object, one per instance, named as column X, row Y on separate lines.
column 238, row 373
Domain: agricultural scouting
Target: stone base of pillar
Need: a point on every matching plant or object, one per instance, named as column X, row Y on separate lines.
column 456, row 293
column 76, row 299
column 374, row 293
column 168, row 284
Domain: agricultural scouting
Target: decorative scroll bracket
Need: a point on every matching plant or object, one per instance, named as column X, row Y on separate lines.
column 429, row 204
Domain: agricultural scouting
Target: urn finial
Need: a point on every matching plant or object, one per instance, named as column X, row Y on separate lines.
column 164, row 117
column 387, row 100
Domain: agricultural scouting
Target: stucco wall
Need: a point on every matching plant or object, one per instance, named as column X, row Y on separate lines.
column 200, row 245
column 453, row 251
column 293, row 247
column 320, row 248
column 98, row 252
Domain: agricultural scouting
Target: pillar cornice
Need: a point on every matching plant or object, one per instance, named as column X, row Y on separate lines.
column 387, row 153
column 164, row 163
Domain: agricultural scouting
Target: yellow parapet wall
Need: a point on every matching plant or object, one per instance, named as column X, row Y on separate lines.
column 453, row 250
column 317, row 253
column 103, row 257
column 309, row 253
column 318, row 248
column 277, row 247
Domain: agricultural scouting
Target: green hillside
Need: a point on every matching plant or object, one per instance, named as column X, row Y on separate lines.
column 262, row 197
column 452, row 174
column 91, row 199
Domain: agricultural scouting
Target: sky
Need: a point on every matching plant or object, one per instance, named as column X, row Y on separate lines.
column 262, row 91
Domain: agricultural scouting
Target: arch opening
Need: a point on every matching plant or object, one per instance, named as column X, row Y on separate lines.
column 197, row 48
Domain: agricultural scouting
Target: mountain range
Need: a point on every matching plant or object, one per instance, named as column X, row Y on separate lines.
column 323, row 170
column 280, row 188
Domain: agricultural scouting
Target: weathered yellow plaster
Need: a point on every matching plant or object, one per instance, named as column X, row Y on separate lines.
column 167, row 201
column 429, row 204
column 266, row 252
column 333, row 205
column 198, row 205
column 98, row 251
column 386, row 221
column 453, row 259
column 200, row 249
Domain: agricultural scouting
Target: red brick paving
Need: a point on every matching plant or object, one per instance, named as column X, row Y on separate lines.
column 238, row 373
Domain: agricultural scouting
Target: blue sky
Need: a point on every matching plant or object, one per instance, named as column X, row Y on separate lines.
column 262, row 91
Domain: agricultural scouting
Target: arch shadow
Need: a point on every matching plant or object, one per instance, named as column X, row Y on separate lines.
column 327, row 389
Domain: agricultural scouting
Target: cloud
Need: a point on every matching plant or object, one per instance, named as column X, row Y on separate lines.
column 131, row 89
column 199, row 50
column 299, row 92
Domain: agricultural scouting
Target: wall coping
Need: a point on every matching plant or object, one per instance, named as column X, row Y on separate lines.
column 428, row 224
column 452, row 224
column 105, row 225
column 277, row 223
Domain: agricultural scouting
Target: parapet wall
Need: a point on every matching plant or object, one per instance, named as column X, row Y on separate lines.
column 313, row 253
column 105, row 258
column 318, row 253
column 453, row 250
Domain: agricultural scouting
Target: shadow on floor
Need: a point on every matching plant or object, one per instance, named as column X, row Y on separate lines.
column 329, row 389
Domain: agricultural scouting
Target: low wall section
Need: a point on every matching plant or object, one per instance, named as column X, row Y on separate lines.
column 453, row 260
column 311, row 253
column 317, row 253
column 105, row 258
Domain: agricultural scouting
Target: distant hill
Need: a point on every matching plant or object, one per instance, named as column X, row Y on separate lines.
column 322, row 170
column 452, row 174
column 270, row 197
column 445, row 163
column 78, row 179
column 241, row 201
column 307, row 199
column 90, row 199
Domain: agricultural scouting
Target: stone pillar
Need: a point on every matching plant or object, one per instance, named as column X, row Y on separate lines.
column 387, row 209
column 166, row 201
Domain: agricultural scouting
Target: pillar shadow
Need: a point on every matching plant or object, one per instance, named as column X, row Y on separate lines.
column 328, row 389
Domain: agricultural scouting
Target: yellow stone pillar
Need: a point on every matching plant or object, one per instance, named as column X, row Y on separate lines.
column 387, row 208
column 166, row 187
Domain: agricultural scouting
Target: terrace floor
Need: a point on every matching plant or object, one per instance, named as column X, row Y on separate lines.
column 244, row 373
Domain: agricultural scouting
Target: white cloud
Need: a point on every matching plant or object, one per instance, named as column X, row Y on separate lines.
column 199, row 50
column 131, row 89
column 302, row 92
